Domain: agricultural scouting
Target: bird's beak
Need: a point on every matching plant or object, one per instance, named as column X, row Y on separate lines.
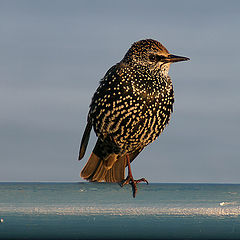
column 173, row 58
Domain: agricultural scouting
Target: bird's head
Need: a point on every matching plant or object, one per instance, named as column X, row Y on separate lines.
column 152, row 54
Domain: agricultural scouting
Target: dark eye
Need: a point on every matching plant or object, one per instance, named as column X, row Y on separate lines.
column 160, row 57
column 153, row 58
column 156, row 58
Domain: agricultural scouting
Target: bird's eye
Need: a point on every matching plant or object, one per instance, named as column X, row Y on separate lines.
column 160, row 57
column 156, row 58
column 152, row 58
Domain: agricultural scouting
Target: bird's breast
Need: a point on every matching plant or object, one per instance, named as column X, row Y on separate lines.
column 132, row 107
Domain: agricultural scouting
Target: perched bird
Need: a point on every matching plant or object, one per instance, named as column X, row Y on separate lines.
column 129, row 110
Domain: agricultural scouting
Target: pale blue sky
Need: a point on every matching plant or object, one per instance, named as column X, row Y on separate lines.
column 53, row 54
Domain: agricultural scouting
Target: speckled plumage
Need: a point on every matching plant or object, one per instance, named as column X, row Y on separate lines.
column 130, row 108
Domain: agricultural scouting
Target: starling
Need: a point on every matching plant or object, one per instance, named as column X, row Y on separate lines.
column 129, row 110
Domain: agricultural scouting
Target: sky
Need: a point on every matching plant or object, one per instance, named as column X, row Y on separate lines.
column 54, row 53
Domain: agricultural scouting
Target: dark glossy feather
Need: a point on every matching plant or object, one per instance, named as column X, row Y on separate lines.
column 85, row 140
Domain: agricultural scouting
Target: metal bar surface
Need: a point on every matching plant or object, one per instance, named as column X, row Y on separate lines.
column 107, row 211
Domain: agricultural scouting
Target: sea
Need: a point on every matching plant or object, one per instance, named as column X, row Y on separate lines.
column 108, row 211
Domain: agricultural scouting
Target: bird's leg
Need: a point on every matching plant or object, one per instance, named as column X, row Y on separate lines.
column 130, row 179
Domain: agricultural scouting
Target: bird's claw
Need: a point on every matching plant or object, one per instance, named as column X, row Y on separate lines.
column 133, row 182
column 125, row 181
column 141, row 180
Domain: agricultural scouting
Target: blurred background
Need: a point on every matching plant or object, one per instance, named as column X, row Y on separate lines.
column 53, row 54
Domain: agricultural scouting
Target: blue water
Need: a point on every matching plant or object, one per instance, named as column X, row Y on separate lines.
column 106, row 211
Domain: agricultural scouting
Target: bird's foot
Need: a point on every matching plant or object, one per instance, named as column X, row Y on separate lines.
column 130, row 180
column 125, row 181
column 141, row 180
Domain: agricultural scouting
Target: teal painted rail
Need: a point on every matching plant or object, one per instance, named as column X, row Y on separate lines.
column 107, row 211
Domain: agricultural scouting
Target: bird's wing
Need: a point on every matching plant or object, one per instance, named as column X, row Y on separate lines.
column 85, row 139
column 95, row 112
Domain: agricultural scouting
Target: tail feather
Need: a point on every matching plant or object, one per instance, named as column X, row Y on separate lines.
column 92, row 164
column 99, row 174
column 97, row 169
column 117, row 172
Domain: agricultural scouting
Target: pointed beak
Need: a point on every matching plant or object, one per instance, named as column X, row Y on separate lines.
column 173, row 58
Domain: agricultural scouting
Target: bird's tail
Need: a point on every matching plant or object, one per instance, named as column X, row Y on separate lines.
column 111, row 169
column 117, row 172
